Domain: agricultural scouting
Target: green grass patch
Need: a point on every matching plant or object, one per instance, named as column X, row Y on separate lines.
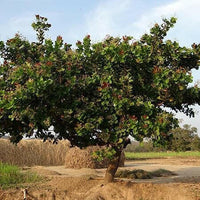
column 11, row 176
column 146, row 155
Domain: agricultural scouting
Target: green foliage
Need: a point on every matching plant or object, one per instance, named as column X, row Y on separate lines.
column 104, row 153
column 40, row 26
column 185, row 139
column 95, row 94
column 10, row 175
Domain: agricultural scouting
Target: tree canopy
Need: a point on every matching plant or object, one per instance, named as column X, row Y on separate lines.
column 185, row 139
column 97, row 93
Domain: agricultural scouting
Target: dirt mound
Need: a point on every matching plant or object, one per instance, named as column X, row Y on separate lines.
column 141, row 191
column 143, row 174
column 63, row 188
column 134, row 174
column 82, row 158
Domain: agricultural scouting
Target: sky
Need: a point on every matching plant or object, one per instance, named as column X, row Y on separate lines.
column 77, row 18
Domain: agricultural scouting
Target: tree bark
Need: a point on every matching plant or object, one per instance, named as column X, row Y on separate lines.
column 112, row 168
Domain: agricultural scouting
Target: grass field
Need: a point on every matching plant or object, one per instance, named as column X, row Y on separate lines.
column 143, row 155
column 10, row 175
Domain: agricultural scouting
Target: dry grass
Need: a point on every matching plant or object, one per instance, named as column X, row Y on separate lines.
column 82, row 158
column 33, row 152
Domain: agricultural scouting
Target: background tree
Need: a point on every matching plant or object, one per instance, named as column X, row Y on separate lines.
column 182, row 139
column 96, row 94
column 185, row 139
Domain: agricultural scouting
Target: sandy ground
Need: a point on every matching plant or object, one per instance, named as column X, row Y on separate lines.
column 87, row 184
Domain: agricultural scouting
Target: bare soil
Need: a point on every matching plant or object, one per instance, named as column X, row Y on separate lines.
column 62, row 183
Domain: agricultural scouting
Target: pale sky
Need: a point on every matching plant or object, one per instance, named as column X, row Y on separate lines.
column 76, row 18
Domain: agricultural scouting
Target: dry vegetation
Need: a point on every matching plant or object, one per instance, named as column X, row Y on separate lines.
column 36, row 152
column 33, row 152
column 82, row 158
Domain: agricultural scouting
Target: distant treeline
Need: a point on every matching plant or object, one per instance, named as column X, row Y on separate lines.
column 183, row 139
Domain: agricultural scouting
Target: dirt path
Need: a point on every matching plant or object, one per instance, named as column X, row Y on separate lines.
column 187, row 170
column 87, row 184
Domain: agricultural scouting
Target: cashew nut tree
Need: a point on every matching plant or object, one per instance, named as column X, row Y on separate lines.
column 96, row 93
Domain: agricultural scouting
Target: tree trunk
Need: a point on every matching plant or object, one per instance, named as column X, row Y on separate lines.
column 112, row 168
